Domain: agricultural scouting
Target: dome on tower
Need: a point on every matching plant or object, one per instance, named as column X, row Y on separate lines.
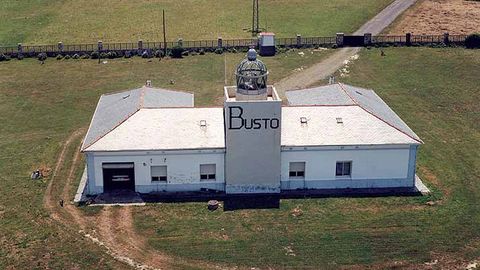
column 251, row 75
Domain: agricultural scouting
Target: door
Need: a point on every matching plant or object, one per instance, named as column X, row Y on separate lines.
column 118, row 176
column 353, row 41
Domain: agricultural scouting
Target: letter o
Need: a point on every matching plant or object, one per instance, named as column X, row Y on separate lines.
column 274, row 123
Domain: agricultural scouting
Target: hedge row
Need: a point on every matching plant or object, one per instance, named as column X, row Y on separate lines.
column 176, row 52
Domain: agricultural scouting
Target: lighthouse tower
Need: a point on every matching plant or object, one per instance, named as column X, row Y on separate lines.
column 252, row 111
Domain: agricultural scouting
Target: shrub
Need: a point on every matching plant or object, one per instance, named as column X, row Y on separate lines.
column 112, row 55
column 201, row 52
column 20, row 56
column 193, row 53
column 146, row 54
column 176, row 52
column 281, row 49
column 3, row 57
column 218, row 50
column 185, row 53
column 76, row 56
column 85, row 56
column 473, row 41
column 42, row 56
column 59, row 57
column 67, row 57
column 127, row 54
column 103, row 55
column 159, row 53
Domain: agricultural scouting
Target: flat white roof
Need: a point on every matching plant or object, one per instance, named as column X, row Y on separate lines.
column 182, row 128
column 354, row 126
column 166, row 129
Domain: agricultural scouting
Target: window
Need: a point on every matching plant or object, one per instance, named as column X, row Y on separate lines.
column 159, row 173
column 297, row 170
column 344, row 168
column 207, row 172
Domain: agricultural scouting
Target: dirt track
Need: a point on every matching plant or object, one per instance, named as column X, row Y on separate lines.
column 111, row 229
column 440, row 16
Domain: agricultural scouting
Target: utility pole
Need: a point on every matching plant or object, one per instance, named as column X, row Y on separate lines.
column 255, row 26
column 164, row 36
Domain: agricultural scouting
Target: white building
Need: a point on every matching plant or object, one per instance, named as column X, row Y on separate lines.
column 330, row 137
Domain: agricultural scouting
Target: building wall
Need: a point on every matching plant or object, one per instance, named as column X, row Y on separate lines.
column 253, row 151
column 183, row 170
column 371, row 167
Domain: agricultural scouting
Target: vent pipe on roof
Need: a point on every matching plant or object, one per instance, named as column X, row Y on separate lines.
column 331, row 80
column 148, row 83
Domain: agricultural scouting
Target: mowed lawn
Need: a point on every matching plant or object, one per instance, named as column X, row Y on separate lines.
column 41, row 105
column 85, row 21
column 436, row 92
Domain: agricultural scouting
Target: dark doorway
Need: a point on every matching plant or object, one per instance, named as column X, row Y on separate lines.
column 118, row 176
column 353, row 41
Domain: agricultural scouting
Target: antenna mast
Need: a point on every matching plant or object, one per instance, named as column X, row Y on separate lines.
column 255, row 18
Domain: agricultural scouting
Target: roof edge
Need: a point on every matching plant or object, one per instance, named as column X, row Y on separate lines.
column 381, row 119
column 85, row 147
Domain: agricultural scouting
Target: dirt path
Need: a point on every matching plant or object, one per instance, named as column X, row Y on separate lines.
column 50, row 200
column 112, row 229
column 115, row 227
column 328, row 66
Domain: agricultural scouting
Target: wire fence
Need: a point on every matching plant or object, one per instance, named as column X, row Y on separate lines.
column 403, row 40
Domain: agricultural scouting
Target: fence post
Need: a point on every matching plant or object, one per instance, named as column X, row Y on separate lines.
column 339, row 39
column 446, row 38
column 140, row 44
column 60, row 46
column 19, row 48
column 299, row 40
column 408, row 39
column 180, row 42
column 219, row 42
column 100, row 45
column 367, row 39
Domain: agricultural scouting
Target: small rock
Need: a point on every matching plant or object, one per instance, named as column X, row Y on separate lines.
column 432, row 262
column 430, row 203
column 472, row 266
column 296, row 212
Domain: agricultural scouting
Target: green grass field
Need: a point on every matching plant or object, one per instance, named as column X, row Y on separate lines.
column 436, row 92
column 82, row 21
column 40, row 105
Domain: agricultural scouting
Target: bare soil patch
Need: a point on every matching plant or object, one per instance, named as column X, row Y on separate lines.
column 438, row 17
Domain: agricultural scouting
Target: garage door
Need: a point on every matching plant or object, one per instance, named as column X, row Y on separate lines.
column 118, row 176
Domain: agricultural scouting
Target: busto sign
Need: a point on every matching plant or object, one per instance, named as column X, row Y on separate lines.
column 238, row 121
column 252, row 139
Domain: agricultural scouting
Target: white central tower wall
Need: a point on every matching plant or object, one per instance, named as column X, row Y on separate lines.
column 252, row 134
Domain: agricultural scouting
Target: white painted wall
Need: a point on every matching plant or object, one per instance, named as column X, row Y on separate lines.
column 253, row 154
column 371, row 165
column 183, row 170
